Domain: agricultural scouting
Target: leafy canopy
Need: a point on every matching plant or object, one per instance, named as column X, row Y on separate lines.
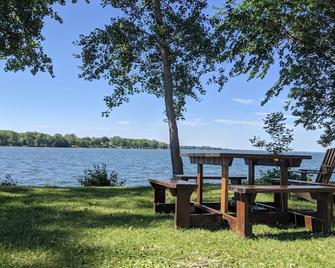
column 297, row 34
column 126, row 52
column 21, row 37
column 281, row 136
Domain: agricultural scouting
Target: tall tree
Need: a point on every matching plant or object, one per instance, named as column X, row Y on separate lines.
column 297, row 35
column 21, row 37
column 161, row 47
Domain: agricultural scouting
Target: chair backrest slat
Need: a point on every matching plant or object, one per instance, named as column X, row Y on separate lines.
column 328, row 165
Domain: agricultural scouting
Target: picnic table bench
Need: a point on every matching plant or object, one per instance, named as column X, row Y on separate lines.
column 182, row 190
column 242, row 219
column 186, row 213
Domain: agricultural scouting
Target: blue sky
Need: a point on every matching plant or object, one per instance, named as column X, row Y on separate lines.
column 67, row 104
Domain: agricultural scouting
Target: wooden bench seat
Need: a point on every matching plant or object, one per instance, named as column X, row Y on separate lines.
column 305, row 196
column 281, row 189
column 241, row 221
column 275, row 181
column 182, row 190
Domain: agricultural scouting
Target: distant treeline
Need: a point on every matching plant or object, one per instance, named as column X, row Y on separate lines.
column 201, row 147
column 37, row 139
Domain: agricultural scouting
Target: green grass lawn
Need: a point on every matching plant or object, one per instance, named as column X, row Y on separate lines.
column 116, row 227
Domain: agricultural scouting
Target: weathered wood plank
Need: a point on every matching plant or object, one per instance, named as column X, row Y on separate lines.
column 281, row 188
column 224, row 189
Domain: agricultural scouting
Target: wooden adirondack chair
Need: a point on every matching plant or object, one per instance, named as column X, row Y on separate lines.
column 323, row 174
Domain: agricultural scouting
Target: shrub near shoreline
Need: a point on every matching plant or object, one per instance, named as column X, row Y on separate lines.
column 98, row 176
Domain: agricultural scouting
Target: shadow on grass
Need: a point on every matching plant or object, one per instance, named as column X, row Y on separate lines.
column 293, row 236
column 39, row 219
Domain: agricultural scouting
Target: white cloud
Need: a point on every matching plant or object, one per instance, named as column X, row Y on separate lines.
column 289, row 116
column 124, row 123
column 195, row 122
column 243, row 101
column 239, row 122
column 261, row 113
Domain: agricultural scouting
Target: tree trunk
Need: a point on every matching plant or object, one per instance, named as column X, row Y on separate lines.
column 177, row 164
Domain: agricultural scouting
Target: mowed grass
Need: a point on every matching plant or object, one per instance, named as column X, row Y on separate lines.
column 116, row 227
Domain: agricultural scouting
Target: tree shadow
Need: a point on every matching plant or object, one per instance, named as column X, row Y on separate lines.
column 36, row 219
column 292, row 236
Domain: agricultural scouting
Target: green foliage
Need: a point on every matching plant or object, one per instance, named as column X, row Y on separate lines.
column 298, row 36
column 127, row 52
column 37, row 139
column 98, row 176
column 21, row 37
column 266, row 176
column 281, row 136
column 8, row 181
column 116, row 227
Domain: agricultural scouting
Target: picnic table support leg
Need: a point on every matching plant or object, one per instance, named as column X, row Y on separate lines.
column 182, row 207
column 244, row 227
column 199, row 183
column 159, row 198
column 283, row 181
column 251, row 176
column 324, row 212
column 224, row 188
column 251, row 172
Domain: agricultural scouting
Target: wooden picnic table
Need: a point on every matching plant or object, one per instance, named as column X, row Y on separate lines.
column 225, row 160
column 241, row 212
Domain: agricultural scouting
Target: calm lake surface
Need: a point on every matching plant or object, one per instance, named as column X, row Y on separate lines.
column 60, row 166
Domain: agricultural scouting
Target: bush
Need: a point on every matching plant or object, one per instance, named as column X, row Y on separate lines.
column 8, row 181
column 266, row 176
column 98, row 176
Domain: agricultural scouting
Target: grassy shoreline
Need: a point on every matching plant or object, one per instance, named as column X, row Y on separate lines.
column 116, row 227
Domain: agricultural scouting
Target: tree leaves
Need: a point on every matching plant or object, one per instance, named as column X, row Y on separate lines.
column 281, row 136
column 299, row 36
column 21, row 23
column 126, row 52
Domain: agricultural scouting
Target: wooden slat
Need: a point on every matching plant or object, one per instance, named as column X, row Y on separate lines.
column 281, row 188
column 328, row 165
column 206, row 208
column 277, row 181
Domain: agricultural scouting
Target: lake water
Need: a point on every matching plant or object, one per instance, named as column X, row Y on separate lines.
column 60, row 166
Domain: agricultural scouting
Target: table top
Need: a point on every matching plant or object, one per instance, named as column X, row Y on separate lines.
column 257, row 158
column 247, row 155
